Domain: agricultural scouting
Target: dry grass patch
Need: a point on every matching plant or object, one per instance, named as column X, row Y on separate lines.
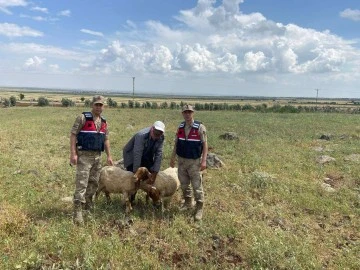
column 13, row 221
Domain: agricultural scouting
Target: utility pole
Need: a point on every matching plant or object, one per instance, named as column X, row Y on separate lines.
column 317, row 94
column 133, row 89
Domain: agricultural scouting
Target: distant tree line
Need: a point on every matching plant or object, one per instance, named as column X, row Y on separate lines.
column 277, row 108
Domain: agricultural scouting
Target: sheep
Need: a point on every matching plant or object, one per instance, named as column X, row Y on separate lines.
column 116, row 180
column 165, row 186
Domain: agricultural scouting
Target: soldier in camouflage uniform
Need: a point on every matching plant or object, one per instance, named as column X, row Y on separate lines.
column 191, row 149
column 88, row 138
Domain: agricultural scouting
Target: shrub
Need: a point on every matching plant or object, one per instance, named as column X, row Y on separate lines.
column 173, row 105
column 289, row 109
column 112, row 103
column 236, row 107
column 247, row 107
column 6, row 102
column 275, row 108
column 12, row 101
column 22, row 96
column 131, row 104
column 199, row 106
column 154, row 105
column 65, row 102
column 148, row 104
column 164, row 105
column 87, row 103
column 43, row 101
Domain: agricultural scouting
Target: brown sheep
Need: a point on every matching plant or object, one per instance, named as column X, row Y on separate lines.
column 165, row 186
column 116, row 180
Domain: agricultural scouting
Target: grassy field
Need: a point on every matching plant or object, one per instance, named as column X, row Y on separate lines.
column 266, row 209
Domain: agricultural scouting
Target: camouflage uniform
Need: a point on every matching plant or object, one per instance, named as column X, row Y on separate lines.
column 88, row 165
column 189, row 170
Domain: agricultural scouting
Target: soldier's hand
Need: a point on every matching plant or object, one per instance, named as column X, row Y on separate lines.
column 73, row 159
column 203, row 165
column 110, row 161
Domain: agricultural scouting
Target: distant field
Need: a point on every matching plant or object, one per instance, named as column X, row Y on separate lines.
column 273, row 206
column 56, row 97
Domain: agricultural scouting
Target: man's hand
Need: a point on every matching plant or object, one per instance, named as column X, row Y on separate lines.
column 153, row 178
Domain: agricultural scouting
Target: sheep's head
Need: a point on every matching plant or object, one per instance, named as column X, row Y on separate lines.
column 154, row 194
column 142, row 174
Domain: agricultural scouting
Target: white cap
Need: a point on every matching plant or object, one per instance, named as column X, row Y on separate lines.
column 158, row 125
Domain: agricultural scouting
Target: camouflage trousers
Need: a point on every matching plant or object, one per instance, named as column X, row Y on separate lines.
column 87, row 175
column 189, row 175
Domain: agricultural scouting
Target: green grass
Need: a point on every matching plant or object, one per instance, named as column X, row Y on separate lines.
column 264, row 209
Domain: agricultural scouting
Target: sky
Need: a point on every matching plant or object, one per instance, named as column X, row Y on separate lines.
column 272, row 48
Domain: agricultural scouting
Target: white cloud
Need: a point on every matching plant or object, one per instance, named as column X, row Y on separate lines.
column 212, row 41
column 89, row 43
column 65, row 13
column 46, row 51
column 6, row 4
column 13, row 30
column 131, row 24
column 117, row 57
column 35, row 18
column 224, row 30
column 54, row 67
column 90, row 32
column 255, row 61
column 40, row 9
column 352, row 14
column 34, row 63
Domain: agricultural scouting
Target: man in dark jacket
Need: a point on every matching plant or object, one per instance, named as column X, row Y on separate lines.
column 145, row 149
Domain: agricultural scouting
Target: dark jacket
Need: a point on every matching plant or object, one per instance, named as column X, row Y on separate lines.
column 141, row 150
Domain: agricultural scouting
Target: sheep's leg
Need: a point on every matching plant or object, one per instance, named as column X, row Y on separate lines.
column 126, row 198
column 97, row 194
column 108, row 199
column 160, row 205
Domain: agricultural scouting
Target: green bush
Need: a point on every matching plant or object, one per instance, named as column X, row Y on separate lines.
column 164, row 105
column 13, row 101
column 87, row 103
column 43, row 101
column 173, row 105
column 154, row 105
column 6, row 102
column 131, row 104
column 112, row 103
column 248, row 107
column 65, row 102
